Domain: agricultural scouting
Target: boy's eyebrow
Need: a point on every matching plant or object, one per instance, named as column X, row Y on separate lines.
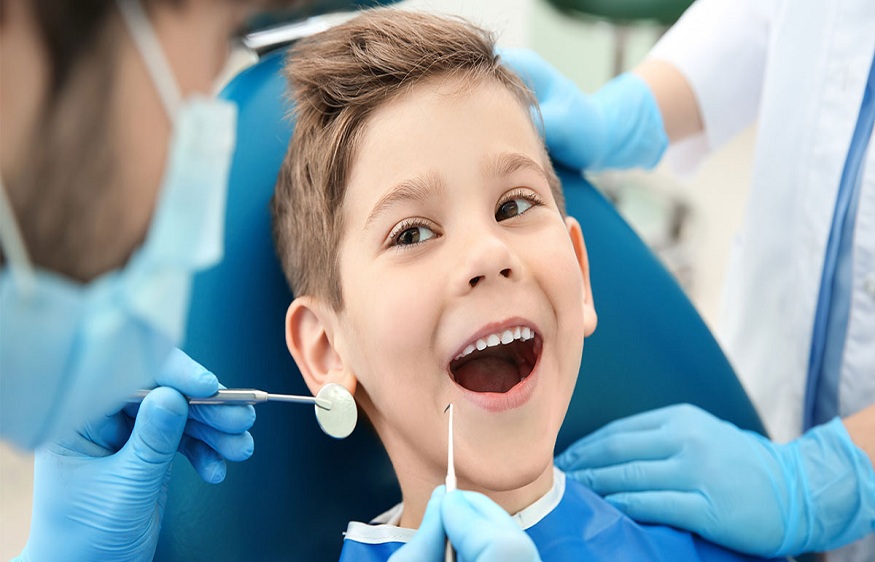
column 506, row 163
column 419, row 188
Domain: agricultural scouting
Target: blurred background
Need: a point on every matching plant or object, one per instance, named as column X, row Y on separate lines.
column 688, row 221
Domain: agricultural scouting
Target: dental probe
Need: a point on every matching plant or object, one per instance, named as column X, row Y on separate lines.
column 246, row 396
column 449, row 553
column 451, row 462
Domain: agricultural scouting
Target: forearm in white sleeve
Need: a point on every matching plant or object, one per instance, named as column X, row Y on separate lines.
column 720, row 47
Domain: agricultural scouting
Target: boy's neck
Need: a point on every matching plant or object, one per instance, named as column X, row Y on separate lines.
column 417, row 491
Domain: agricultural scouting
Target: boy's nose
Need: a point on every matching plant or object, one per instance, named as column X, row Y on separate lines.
column 474, row 280
column 487, row 257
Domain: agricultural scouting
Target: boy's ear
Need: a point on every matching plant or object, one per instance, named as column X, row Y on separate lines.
column 309, row 337
column 590, row 318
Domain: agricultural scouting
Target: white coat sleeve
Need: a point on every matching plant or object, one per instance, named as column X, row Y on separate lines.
column 720, row 46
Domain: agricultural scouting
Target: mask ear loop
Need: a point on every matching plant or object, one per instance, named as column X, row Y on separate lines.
column 13, row 245
column 152, row 54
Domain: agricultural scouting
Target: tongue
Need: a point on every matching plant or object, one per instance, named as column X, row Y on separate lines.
column 488, row 374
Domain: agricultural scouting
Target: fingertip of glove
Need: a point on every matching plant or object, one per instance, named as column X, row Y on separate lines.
column 584, row 477
column 459, row 499
column 159, row 426
column 564, row 461
column 209, row 378
column 569, row 464
column 248, row 449
column 454, row 506
column 249, row 416
column 438, row 494
column 216, row 472
column 207, row 383
column 166, row 401
column 622, row 501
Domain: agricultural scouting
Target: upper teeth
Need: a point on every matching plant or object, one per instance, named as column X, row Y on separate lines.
column 519, row 333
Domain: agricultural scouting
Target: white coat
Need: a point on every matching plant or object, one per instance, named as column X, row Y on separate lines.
column 799, row 68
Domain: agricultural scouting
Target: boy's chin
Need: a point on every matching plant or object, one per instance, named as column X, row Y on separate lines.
column 511, row 474
column 513, row 488
column 500, row 456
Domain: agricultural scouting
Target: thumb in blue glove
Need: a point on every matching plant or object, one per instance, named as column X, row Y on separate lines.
column 681, row 466
column 478, row 528
column 427, row 545
column 481, row 531
column 618, row 127
column 101, row 493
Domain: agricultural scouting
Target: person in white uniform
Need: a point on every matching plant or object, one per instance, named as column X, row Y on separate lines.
column 799, row 306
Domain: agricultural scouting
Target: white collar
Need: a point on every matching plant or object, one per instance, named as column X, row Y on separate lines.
column 384, row 528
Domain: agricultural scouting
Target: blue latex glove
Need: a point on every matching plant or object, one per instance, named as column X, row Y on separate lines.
column 618, row 127
column 478, row 528
column 681, row 466
column 100, row 495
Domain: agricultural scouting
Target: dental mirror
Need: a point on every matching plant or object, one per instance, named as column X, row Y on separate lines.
column 340, row 419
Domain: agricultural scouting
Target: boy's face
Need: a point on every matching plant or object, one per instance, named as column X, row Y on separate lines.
column 452, row 240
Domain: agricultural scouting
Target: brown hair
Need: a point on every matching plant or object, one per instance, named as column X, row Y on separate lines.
column 338, row 79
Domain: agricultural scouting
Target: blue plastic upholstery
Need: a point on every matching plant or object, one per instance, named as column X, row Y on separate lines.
column 292, row 500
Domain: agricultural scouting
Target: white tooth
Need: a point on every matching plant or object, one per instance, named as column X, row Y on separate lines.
column 516, row 333
column 506, row 336
column 481, row 345
column 493, row 340
column 526, row 333
column 469, row 350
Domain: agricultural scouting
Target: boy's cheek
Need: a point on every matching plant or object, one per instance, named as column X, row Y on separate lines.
column 399, row 304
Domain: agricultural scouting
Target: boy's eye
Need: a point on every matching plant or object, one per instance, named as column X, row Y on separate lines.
column 512, row 208
column 412, row 235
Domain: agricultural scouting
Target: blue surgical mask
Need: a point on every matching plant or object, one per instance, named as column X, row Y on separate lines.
column 70, row 352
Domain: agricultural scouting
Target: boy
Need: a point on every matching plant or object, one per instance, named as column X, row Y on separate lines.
column 420, row 223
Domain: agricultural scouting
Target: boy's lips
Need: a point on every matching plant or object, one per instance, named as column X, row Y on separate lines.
column 494, row 366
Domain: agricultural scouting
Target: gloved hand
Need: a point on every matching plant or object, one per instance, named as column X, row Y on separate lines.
column 100, row 495
column 618, row 127
column 478, row 528
column 681, row 466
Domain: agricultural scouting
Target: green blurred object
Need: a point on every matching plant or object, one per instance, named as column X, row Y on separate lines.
column 665, row 12
column 622, row 14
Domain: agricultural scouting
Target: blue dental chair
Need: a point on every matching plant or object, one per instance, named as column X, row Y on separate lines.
column 293, row 498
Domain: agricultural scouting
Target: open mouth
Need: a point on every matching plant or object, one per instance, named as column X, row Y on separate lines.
column 497, row 362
